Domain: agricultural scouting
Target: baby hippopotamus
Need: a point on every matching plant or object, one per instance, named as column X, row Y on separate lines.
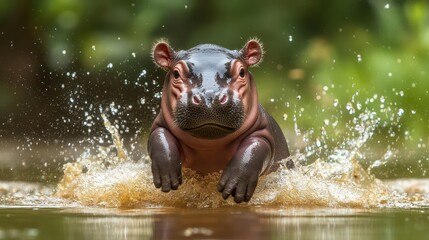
column 211, row 120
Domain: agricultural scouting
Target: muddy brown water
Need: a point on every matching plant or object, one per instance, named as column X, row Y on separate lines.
column 37, row 211
column 220, row 223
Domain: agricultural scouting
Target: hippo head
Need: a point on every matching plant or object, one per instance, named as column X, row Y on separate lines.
column 208, row 91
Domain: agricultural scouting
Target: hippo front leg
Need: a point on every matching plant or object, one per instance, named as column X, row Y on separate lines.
column 166, row 161
column 240, row 177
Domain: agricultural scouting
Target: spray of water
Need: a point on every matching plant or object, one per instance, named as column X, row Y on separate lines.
column 329, row 172
column 108, row 177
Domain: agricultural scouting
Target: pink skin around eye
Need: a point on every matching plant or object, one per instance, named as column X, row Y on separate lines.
column 239, row 83
column 178, row 85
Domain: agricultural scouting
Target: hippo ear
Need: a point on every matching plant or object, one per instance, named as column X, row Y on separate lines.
column 252, row 52
column 163, row 54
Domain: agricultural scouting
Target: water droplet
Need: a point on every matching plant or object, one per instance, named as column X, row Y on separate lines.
column 110, row 65
column 350, row 108
column 290, row 38
column 272, row 100
column 400, row 112
column 377, row 163
column 133, row 54
column 285, row 116
column 142, row 74
column 186, row 6
column 64, row 52
column 318, row 144
column 389, row 74
column 359, row 58
column 93, row 47
column 387, row 6
column 326, row 121
column 359, row 106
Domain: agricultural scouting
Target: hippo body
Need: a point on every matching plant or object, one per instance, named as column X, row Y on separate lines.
column 210, row 120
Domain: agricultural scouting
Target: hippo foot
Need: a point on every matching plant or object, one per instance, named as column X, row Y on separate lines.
column 239, row 183
column 167, row 176
column 167, row 173
column 166, row 162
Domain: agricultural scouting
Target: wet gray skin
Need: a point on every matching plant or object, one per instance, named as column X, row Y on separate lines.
column 208, row 109
column 211, row 120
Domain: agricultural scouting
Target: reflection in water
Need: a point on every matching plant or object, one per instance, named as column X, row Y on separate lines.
column 220, row 223
column 172, row 224
column 372, row 225
column 323, row 227
column 108, row 227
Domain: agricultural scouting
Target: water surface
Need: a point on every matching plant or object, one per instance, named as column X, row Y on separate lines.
column 220, row 223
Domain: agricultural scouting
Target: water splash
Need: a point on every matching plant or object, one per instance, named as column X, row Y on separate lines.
column 329, row 170
column 128, row 184
column 110, row 178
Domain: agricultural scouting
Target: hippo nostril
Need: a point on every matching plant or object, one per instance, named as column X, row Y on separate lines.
column 223, row 99
column 196, row 99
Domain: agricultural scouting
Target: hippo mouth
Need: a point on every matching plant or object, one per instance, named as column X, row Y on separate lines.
column 213, row 122
column 210, row 130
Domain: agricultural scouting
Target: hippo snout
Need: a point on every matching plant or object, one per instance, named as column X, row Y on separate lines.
column 209, row 98
column 209, row 114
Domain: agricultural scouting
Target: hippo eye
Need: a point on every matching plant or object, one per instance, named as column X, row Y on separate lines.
column 176, row 74
column 241, row 73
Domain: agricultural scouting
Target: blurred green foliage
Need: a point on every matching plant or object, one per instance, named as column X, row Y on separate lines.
column 317, row 52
